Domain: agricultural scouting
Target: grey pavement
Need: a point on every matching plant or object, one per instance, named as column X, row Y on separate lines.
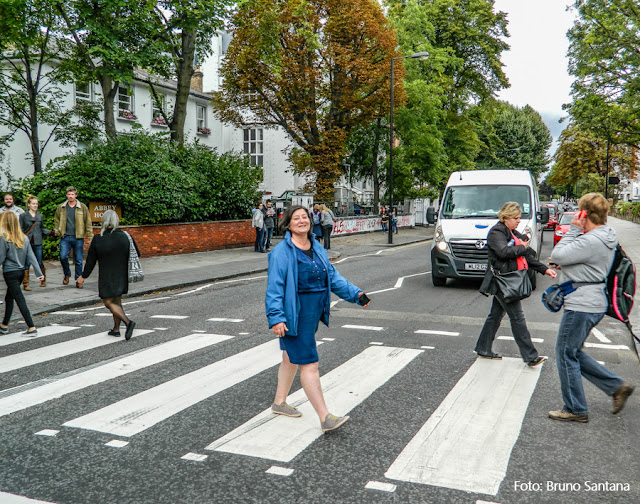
column 176, row 271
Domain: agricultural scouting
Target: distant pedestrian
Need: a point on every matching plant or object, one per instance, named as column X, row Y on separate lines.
column 585, row 258
column 257, row 222
column 508, row 251
column 9, row 205
column 269, row 224
column 327, row 220
column 299, row 286
column 32, row 225
column 15, row 249
column 394, row 220
column 72, row 223
column 315, row 218
column 110, row 249
column 384, row 218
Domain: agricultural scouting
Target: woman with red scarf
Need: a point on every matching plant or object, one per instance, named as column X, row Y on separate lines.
column 508, row 251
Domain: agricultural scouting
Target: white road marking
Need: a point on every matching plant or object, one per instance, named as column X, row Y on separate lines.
column 47, row 432
column 439, row 333
column 328, row 339
column 601, row 362
column 379, row 485
column 137, row 413
column 225, row 320
column 102, row 315
column 603, row 345
column 64, row 349
column 57, row 388
column 485, row 502
column 117, row 443
column 198, row 331
column 174, row 317
column 599, row 336
column 127, row 303
column 466, row 443
column 196, row 457
column 382, row 290
column 376, row 343
column 428, row 347
column 363, row 327
column 401, row 279
column 279, row 471
column 511, row 338
column 17, row 337
column 67, row 312
column 160, row 328
column 280, row 438
column 242, row 333
column 7, row 498
column 361, row 255
column 333, row 303
column 395, row 287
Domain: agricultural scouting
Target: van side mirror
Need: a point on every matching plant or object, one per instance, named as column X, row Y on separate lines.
column 543, row 215
column 431, row 215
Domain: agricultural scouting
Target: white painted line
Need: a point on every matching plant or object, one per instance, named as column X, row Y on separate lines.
column 126, row 303
column 511, row 338
column 364, row 327
column 137, row 413
column 173, row 317
column 54, row 389
column 428, row 347
column 196, row 457
column 485, row 502
column 117, row 443
column 7, row 498
column 382, row 290
column 438, row 333
column 215, row 319
column 280, row 438
column 242, row 333
column 333, row 303
column 466, row 443
column 603, row 345
column 160, row 328
column 18, row 337
column 328, row 339
column 361, row 255
column 82, row 325
column 67, row 312
column 376, row 343
column 599, row 336
column 47, row 432
column 64, row 349
column 102, row 315
column 379, row 485
column 279, row 471
column 401, row 279
column 198, row 331
column 601, row 362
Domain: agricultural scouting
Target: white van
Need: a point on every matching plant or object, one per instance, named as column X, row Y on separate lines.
column 469, row 209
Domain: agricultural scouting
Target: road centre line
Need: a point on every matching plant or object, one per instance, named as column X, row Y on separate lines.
column 605, row 346
column 511, row 338
column 466, row 443
column 196, row 457
column 280, row 438
column 355, row 256
column 379, row 485
column 279, row 471
column 52, row 388
column 64, row 349
column 141, row 411
column 365, row 328
column 401, row 279
column 18, row 337
column 599, row 336
column 173, row 317
column 439, row 333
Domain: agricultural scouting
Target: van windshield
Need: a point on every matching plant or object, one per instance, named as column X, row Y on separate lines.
column 466, row 202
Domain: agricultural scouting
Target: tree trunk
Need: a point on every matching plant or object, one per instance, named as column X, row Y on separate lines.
column 109, row 89
column 184, row 71
column 34, row 138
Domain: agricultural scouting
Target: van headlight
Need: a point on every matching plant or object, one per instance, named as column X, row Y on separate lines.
column 441, row 243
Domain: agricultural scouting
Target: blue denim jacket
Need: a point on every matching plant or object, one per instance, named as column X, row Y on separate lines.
column 281, row 300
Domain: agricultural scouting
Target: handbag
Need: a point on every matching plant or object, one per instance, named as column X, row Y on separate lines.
column 513, row 285
column 135, row 268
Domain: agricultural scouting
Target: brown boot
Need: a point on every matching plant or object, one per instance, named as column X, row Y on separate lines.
column 25, row 281
column 43, row 282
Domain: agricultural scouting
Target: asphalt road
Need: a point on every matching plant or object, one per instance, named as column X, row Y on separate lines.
column 393, row 382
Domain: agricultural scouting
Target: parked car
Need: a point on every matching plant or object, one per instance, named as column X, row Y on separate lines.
column 553, row 217
column 563, row 226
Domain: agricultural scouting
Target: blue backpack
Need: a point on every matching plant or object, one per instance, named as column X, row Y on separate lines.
column 316, row 218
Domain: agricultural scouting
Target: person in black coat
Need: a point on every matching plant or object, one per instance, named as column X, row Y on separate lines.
column 508, row 250
column 110, row 248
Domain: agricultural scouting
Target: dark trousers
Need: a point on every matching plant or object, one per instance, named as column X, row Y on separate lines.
column 268, row 233
column 326, row 234
column 13, row 280
column 258, row 245
column 518, row 328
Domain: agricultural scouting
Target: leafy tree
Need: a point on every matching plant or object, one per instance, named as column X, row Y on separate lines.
column 308, row 67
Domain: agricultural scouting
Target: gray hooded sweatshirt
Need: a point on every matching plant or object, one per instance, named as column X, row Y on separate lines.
column 586, row 258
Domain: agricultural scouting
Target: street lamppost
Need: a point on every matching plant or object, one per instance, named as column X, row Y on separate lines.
column 420, row 56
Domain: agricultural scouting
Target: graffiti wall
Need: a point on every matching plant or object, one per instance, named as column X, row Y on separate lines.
column 367, row 224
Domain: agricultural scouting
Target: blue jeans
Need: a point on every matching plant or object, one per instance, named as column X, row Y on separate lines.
column 66, row 244
column 268, row 233
column 37, row 250
column 573, row 363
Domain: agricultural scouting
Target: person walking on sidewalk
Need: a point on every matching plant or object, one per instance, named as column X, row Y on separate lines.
column 299, row 286
column 269, row 224
column 110, row 249
column 394, row 220
column 15, row 250
column 326, row 221
column 9, row 205
column 508, row 251
column 72, row 223
column 384, row 218
column 585, row 258
column 315, row 218
column 33, row 227
column 257, row 221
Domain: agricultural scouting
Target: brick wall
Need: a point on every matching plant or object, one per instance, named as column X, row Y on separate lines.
column 171, row 239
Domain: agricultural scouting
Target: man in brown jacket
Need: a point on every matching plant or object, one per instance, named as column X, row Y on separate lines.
column 72, row 223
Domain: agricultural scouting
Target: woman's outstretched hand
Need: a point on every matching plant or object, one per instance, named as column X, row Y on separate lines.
column 280, row 329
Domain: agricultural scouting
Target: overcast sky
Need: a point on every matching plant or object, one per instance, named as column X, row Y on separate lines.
column 536, row 65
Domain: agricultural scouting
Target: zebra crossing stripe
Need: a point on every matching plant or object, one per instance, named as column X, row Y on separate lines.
column 280, row 438
column 39, row 394
column 141, row 411
column 7, row 498
column 466, row 443
column 64, row 349
column 18, row 337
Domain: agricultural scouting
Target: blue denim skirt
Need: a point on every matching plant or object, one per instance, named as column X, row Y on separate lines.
column 302, row 348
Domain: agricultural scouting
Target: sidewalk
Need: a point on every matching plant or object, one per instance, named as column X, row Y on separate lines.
column 176, row 271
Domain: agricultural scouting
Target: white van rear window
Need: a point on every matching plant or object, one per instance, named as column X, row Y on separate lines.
column 484, row 201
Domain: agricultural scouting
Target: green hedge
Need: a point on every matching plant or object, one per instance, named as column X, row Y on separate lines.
column 153, row 181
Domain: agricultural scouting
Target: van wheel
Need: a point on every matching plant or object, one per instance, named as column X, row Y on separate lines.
column 438, row 281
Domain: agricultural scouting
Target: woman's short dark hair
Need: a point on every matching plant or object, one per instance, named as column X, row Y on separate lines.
column 286, row 218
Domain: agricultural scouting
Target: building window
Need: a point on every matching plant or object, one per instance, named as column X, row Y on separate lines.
column 156, row 110
column 126, row 103
column 254, row 146
column 201, row 120
column 84, row 93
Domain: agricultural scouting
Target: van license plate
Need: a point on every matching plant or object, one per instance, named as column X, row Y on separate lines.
column 475, row 266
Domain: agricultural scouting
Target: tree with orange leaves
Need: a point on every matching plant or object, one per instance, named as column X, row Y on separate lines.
column 315, row 68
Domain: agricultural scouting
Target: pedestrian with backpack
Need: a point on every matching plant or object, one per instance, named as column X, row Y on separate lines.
column 585, row 259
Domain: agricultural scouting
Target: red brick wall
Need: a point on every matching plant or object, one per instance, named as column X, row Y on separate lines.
column 171, row 239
